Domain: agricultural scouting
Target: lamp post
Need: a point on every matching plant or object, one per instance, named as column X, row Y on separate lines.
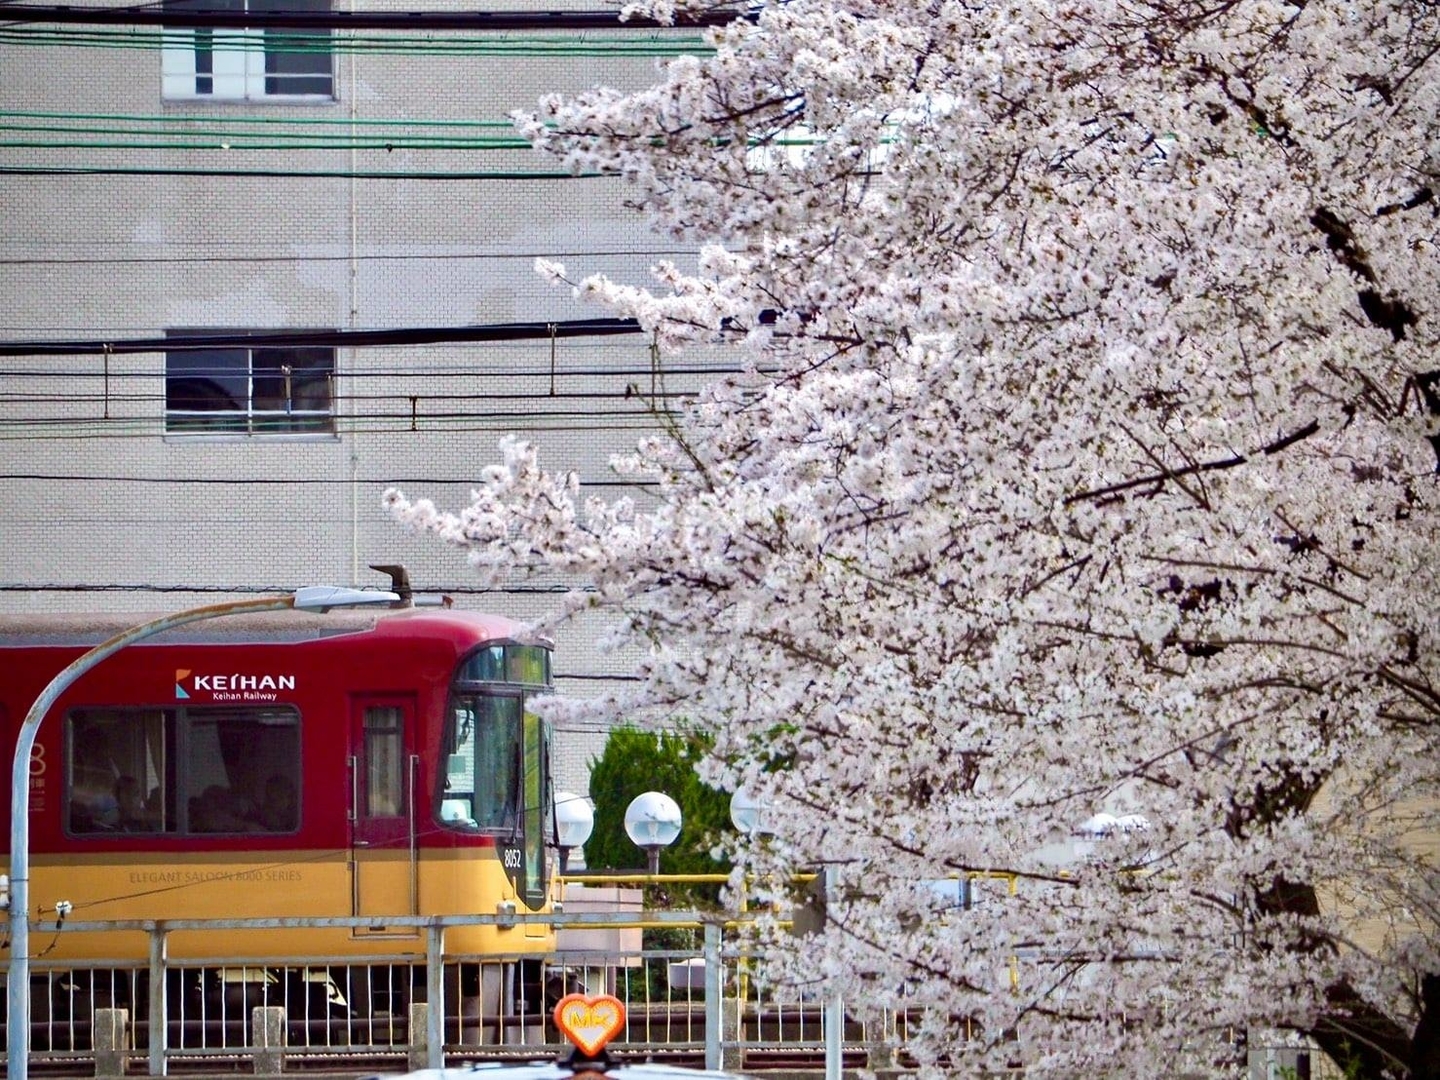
column 1102, row 826
column 753, row 817
column 652, row 821
column 749, row 815
column 319, row 598
column 574, row 822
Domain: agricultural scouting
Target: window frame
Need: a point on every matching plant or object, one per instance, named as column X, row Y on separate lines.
column 250, row 420
column 382, row 786
column 179, row 786
column 499, row 674
column 241, row 61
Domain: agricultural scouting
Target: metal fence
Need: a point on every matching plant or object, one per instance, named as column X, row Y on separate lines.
column 689, row 1004
column 692, row 1004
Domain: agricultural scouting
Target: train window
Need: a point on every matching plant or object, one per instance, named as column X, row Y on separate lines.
column 535, row 809
column 528, row 665
column 242, row 768
column 483, row 665
column 384, row 787
column 223, row 770
column 496, row 762
column 119, row 771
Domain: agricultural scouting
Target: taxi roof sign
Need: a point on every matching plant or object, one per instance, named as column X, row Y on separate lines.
column 590, row 1021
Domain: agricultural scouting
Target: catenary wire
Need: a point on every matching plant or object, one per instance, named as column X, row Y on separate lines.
column 415, row 335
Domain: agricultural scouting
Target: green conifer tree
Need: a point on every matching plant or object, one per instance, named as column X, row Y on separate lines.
column 634, row 762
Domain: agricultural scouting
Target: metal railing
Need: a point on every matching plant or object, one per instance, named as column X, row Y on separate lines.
column 425, row 1010
column 692, row 1005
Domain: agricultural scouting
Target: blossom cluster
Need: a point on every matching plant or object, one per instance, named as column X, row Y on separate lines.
column 1084, row 461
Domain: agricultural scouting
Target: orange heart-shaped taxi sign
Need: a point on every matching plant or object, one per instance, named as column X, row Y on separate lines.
column 589, row 1021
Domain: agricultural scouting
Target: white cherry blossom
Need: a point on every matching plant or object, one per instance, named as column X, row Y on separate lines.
column 1082, row 464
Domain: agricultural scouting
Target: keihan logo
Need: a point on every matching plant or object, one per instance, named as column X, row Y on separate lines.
column 231, row 686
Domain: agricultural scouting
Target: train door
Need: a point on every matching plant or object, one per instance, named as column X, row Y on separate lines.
column 383, row 853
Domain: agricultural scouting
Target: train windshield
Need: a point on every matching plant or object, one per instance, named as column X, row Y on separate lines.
column 496, row 761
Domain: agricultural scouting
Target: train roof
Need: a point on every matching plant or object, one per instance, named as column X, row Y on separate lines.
column 84, row 629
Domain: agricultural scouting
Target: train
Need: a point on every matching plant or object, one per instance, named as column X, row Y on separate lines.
column 371, row 765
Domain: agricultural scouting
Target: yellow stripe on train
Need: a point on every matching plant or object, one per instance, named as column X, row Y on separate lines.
column 295, row 884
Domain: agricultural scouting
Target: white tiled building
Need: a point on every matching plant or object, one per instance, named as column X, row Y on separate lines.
column 161, row 182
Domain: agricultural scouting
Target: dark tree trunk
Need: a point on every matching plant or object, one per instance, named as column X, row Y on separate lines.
column 1425, row 1044
column 1366, row 1043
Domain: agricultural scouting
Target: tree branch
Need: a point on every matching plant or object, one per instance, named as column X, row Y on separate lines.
column 1159, row 479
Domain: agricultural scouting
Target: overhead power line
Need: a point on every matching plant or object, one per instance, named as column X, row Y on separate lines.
column 291, row 174
column 585, row 424
column 653, row 44
column 358, row 20
column 273, row 481
column 363, row 257
column 230, row 123
column 425, row 335
column 506, row 369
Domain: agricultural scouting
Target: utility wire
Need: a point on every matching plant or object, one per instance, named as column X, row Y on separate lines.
column 137, row 587
column 577, row 405
column 378, row 373
column 222, row 132
column 149, row 430
column 404, row 413
column 289, row 174
column 478, row 256
column 271, row 481
column 354, row 44
column 417, row 420
column 347, row 339
column 16, row 137
column 494, row 21
column 409, row 405
column 231, row 122
column 527, row 331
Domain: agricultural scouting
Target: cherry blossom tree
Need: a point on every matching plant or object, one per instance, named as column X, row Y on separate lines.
column 1084, row 462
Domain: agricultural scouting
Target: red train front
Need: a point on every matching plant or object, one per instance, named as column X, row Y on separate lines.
column 288, row 765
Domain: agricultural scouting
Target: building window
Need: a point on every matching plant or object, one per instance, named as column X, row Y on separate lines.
column 229, row 64
column 248, row 391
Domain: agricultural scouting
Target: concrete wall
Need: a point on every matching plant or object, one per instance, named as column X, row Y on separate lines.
column 97, row 497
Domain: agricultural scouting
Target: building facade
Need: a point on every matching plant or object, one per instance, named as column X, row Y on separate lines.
column 200, row 214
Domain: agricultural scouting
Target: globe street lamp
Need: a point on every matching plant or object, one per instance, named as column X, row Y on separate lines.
column 749, row 815
column 574, row 822
column 318, row 598
column 1102, row 826
column 652, row 821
